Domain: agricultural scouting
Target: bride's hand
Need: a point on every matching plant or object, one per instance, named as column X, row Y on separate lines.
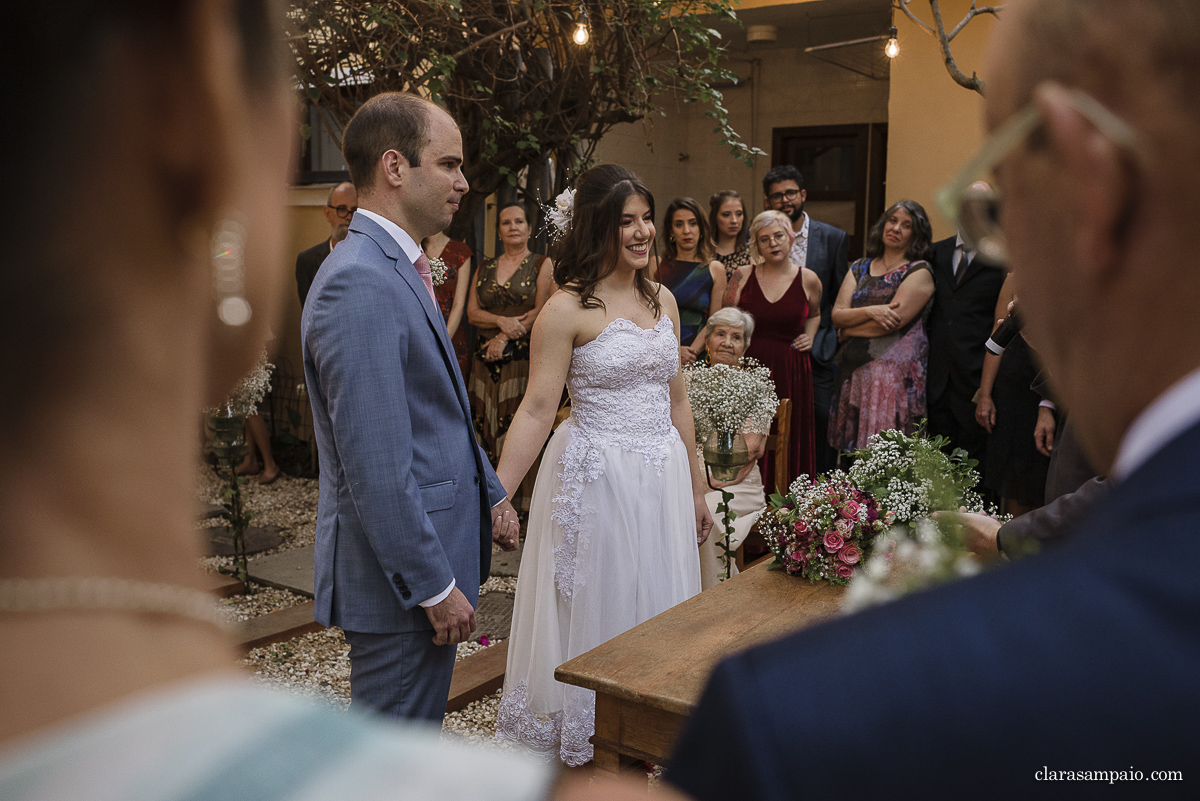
column 704, row 521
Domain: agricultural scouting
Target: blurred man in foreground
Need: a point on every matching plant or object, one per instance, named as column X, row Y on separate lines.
column 1078, row 665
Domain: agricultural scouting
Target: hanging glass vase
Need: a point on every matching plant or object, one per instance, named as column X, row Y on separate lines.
column 227, row 431
column 725, row 453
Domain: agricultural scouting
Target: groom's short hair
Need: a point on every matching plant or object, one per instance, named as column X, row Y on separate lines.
column 388, row 121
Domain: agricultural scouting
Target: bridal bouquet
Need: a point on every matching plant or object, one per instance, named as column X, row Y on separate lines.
column 822, row 529
column 912, row 477
column 883, row 506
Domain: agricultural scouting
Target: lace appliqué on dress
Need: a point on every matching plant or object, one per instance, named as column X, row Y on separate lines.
column 608, row 385
column 566, row 734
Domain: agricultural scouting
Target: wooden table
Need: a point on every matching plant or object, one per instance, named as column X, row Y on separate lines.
column 648, row 679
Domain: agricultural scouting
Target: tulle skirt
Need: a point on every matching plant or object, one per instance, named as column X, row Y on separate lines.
column 611, row 543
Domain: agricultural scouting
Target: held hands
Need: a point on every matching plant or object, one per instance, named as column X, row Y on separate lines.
column 453, row 619
column 505, row 526
column 511, row 327
column 495, row 348
column 886, row 316
column 802, row 343
column 985, row 412
column 704, row 521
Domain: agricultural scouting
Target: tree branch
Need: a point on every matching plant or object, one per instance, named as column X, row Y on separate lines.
column 971, row 14
column 481, row 42
column 973, row 83
column 903, row 6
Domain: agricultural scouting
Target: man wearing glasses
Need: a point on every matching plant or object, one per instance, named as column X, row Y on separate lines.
column 339, row 208
column 1072, row 673
column 824, row 250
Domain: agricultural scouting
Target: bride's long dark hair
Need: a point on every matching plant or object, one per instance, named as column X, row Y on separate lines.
column 588, row 251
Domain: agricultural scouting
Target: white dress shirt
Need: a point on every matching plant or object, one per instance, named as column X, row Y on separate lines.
column 1171, row 413
column 799, row 251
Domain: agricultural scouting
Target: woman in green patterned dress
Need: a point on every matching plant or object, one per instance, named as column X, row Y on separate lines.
column 505, row 299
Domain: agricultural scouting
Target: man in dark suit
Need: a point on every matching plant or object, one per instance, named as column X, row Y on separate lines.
column 824, row 250
column 963, row 315
column 409, row 505
column 339, row 208
column 1083, row 658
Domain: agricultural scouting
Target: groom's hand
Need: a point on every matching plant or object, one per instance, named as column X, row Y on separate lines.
column 505, row 526
column 453, row 619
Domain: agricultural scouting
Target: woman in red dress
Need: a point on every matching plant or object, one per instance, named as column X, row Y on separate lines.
column 785, row 300
column 452, row 292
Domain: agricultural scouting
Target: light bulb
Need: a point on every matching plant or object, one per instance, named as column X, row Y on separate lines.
column 581, row 34
column 892, row 49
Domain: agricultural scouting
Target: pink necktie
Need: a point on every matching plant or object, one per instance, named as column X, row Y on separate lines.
column 422, row 265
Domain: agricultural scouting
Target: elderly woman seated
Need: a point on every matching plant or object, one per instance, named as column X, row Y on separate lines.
column 728, row 332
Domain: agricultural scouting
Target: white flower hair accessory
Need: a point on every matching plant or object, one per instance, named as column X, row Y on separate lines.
column 560, row 213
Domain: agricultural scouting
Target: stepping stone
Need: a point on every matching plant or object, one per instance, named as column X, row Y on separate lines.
column 274, row 627
column 493, row 616
column 220, row 539
column 477, row 676
column 505, row 563
column 209, row 511
column 288, row 570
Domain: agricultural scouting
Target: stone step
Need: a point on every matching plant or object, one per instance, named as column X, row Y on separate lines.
column 276, row 627
column 477, row 675
column 288, row 570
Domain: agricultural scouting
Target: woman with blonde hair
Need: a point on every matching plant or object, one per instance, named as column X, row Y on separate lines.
column 785, row 300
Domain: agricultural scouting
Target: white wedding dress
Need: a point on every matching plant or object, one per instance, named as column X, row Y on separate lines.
column 611, row 540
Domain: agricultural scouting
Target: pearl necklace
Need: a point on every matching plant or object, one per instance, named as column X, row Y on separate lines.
column 108, row 594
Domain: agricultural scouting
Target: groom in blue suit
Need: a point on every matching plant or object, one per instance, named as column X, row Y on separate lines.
column 1075, row 672
column 409, row 505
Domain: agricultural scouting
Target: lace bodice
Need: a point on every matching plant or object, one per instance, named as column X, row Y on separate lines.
column 620, row 395
column 619, row 384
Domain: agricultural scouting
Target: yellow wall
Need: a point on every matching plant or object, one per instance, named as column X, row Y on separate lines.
column 678, row 155
column 307, row 228
column 934, row 125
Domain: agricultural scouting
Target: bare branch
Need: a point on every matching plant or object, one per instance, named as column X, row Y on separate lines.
column 971, row 14
column 973, row 83
column 903, row 6
column 478, row 43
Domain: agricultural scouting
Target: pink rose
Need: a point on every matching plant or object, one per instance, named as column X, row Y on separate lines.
column 850, row 554
column 844, row 527
column 845, row 571
column 849, row 510
column 800, row 527
column 833, row 541
column 889, row 518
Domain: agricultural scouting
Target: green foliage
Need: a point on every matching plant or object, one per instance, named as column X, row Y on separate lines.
column 518, row 86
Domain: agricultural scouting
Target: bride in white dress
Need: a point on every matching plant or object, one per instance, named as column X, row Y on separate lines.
column 618, row 507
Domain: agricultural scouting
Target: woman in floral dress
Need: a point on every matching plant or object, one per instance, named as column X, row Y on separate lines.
column 880, row 317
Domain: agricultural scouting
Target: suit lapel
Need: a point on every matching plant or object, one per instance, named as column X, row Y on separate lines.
column 408, row 273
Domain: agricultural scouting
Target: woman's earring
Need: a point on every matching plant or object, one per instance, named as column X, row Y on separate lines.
column 229, row 272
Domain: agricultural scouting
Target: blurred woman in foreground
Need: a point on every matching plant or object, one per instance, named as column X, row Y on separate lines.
column 171, row 119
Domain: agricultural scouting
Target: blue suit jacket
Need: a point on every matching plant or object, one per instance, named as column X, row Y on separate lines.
column 1086, row 657
column 405, row 490
column 827, row 257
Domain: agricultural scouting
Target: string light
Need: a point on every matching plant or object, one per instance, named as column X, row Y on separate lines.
column 892, row 48
column 581, row 34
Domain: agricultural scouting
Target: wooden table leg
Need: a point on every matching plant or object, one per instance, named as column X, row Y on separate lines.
column 605, row 755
